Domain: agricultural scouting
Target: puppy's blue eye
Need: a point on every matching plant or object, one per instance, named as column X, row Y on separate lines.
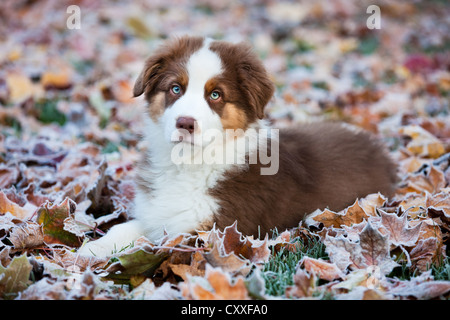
column 176, row 89
column 215, row 95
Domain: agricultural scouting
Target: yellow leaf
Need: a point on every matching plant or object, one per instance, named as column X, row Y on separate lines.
column 423, row 143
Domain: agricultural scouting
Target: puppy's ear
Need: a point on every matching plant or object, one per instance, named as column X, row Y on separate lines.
column 254, row 79
column 147, row 77
column 258, row 86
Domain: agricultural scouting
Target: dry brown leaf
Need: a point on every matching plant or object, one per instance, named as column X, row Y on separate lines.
column 399, row 231
column 228, row 262
column 216, row 285
column 421, row 287
column 323, row 269
column 423, row 143
column 352, row 215
column 371, row 202
column 196, row 267
column 431, row 181
column 372, row 250
column 439, row 206
column 425, row 253
column 15, row 209
column 25, row 236
column 304, row 285
column 56, row 79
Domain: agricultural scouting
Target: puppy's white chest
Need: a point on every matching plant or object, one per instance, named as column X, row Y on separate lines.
column 179, row 202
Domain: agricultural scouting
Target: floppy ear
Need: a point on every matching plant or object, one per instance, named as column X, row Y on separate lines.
column 147, row 77
column 255, row 81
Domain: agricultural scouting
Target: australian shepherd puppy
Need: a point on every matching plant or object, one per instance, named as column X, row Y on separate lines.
column 212, row 159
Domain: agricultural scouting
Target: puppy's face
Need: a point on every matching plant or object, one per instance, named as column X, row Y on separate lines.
column 194, row 85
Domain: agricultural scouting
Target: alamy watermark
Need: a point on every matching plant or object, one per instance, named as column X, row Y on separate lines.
column 239, row 147
column 73, row 21
column 374, row 20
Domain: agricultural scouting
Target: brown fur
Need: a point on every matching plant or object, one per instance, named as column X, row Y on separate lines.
column 322, row 165
column 165, row 67
column 245, row 80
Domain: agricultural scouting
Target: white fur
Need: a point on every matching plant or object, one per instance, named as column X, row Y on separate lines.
column 202, row 66
column 179, row 201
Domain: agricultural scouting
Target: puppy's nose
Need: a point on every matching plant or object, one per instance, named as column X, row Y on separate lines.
column 186, row 123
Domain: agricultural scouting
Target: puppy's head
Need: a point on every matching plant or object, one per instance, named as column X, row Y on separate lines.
column 193, row 85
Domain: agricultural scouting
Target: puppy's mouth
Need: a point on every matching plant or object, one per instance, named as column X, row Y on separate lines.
column 184, row 137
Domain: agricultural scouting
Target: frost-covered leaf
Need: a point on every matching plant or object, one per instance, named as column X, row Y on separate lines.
column 14, row 277
column 352, row 215
column 322, row 269
column 399, row 231
column 26, row 235
column 216, row 285
column 52, row 217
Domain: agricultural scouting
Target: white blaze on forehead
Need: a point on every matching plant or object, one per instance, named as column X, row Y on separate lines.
column 203, row 65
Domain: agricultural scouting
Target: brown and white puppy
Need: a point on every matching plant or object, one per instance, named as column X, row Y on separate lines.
column 212, row 160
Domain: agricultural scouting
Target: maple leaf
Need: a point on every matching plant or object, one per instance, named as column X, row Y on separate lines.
column 426, row 252
column 52, row 217
column 372, row 249
column 399, row 231
column 352, row 215
column 375, row 249
column 234, row 252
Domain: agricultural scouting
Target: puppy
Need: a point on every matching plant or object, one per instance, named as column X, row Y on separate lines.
column 211, row 158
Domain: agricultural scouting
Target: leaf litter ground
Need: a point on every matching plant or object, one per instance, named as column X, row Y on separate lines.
column 70, row 138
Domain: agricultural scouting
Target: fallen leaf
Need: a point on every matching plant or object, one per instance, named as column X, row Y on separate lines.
column 371, row 202
column 304, row 285
column 216, row 285
column 425, row 253
column 15, row 277
column 422, row 143
column 352, row 215
column 195, row 268
column 52, row 217
column 372, row 250
column 399, row 231
column 26, row 235
column 228, row 262
column 21, row 212
column 431, row 181
column 56, row 79
column 421, row 287
column 323, row 269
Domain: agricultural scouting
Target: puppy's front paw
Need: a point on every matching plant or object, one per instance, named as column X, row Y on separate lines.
column 96, row 249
